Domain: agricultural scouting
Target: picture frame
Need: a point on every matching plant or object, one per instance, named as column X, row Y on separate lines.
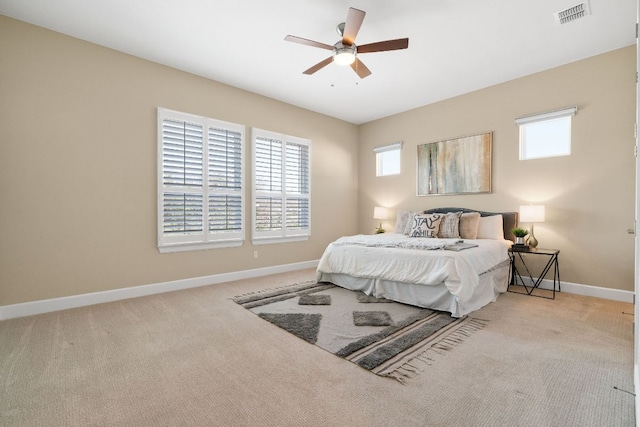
column 455, row 166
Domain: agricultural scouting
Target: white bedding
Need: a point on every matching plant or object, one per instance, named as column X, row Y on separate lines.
column 419, row 261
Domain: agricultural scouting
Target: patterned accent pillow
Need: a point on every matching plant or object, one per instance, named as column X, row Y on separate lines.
column 425, row 225
column 469, row 225
column 449, row 226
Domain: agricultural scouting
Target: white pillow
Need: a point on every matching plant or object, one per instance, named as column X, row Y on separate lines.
column 402, row 219
column 490, row 227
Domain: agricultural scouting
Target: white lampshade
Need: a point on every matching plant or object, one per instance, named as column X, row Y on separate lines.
column 380, row 213
column 531, row 213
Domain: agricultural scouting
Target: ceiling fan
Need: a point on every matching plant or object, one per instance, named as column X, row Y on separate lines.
column 345, row 51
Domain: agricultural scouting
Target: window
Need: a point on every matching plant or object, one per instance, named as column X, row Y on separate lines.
column 281, row 188
column 388, row 159
column 200, row 182
column 546, row 135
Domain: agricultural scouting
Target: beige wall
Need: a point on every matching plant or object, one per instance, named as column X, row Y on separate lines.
column 78, row 168
column 78, row 175
column 589, row 195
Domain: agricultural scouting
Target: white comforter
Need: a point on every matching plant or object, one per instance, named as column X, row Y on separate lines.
column 414, row 260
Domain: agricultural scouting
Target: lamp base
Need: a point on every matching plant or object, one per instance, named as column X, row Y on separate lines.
column 532, row 241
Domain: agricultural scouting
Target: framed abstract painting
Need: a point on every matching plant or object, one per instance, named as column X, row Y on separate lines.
column 455, row 166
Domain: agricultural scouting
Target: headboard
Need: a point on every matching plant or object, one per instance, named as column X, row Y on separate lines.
column 509, row 219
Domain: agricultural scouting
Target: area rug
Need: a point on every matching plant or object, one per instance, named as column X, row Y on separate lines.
column 385, row 337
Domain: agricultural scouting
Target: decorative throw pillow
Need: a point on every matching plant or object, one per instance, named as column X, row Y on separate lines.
column 409, row 225
column 450, row 225
column 403, row 219
column 469, row 225
column 425, row 225
column 490, row 227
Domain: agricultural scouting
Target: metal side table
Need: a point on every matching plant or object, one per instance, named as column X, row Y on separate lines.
column 516, row 276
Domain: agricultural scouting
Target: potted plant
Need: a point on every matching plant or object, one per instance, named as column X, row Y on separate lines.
column 520, row 234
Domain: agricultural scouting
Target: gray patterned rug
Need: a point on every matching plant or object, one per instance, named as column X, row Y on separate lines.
column 385, row 337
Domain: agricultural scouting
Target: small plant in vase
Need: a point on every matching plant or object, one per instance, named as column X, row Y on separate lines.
column 520, row 234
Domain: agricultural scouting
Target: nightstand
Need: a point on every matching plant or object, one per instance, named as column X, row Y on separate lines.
column 516, row 277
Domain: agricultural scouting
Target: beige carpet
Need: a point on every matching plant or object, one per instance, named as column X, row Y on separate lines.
column 195, row 357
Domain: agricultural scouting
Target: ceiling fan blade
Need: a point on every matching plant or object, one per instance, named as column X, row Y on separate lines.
column 307, row 42
column 352, row 25
column 384, row 46
column 319, row 65
column 361, row 70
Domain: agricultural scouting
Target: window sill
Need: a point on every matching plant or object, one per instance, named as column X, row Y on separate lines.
column 185, row 247
column 272, row 240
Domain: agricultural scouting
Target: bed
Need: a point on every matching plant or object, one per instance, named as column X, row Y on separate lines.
column 448, row 259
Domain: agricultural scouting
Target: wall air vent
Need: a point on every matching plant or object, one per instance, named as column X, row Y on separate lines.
column 571, row 14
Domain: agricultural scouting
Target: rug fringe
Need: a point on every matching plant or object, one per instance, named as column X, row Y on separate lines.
column 416, row 365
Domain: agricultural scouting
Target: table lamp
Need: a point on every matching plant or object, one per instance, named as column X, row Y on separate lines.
column 532, row 214
column 381, row 214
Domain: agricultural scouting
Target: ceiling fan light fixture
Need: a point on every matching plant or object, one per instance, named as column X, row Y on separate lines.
column 344, row 55
column 345, row 51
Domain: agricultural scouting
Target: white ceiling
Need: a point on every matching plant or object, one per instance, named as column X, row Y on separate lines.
column 455, row 46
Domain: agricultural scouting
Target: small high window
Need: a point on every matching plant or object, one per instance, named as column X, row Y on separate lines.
column 388, row 159
column 546, row 135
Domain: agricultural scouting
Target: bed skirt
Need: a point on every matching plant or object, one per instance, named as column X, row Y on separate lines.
column 437, row 297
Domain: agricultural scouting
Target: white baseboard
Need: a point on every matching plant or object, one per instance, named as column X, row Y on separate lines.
column 590, row 291
column 74, row 301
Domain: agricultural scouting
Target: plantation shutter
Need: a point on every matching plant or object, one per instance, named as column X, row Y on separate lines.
column 182, row 150
column 281, row 187
column 268, row 179
column 200, row 198
column 225, row 181
column 297, row 185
